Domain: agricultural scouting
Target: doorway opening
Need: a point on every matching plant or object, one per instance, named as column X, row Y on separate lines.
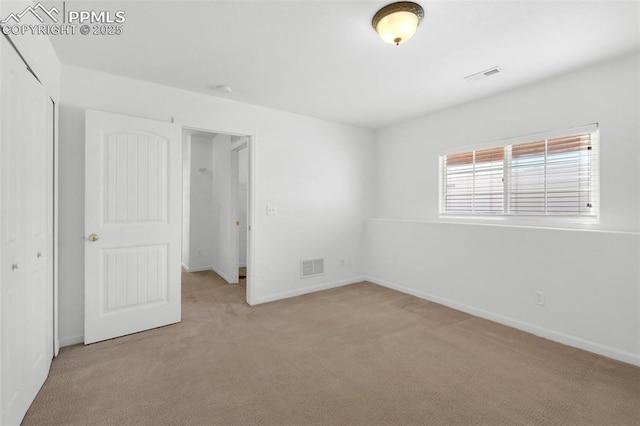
column 216, row 200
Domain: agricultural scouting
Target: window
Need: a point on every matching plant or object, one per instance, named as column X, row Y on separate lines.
column 538, row 176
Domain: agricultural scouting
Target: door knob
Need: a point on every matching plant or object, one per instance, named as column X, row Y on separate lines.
column 237, row 223
column 93, row 237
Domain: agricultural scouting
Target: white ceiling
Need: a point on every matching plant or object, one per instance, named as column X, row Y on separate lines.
column 323, row 58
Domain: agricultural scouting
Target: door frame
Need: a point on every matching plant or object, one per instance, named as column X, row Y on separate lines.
column 251, row 147
column 236, row 147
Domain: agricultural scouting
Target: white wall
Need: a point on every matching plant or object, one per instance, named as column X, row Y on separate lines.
column 407, row 173
column 201, row 227
column 592, row 298
column 71, row 225
column 318, row 173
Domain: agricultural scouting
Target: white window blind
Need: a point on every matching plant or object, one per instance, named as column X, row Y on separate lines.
column 542, row 177
column 474, row 182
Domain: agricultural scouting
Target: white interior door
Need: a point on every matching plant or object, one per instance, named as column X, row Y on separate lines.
column 234, row 207
column 242, row 229
column 26, row 236
column 132, row 225
column 234, row 226
column 243, row 181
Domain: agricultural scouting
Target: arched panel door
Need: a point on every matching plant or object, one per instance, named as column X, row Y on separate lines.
column 132, row 225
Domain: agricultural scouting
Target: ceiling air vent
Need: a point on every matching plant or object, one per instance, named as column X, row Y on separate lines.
column 311, row 268
column 482, row 74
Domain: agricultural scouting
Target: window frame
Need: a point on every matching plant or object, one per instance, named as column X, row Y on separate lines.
column 506, row 145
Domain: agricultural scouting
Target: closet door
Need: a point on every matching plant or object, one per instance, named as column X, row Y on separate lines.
column 26, row 296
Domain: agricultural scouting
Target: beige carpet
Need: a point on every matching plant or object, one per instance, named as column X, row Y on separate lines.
column 356, row 355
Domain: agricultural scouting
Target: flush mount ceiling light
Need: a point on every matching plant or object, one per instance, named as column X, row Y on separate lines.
column 397, row 22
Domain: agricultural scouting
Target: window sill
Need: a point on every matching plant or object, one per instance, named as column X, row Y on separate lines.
column 508, row 223
column 550, row 222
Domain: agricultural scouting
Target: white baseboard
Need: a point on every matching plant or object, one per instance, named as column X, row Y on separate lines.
column 71, row 340
column 555, row 336
column 208, row 268
column 304, row 290
column 197, row 268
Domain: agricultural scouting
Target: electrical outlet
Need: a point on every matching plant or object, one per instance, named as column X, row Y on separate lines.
column 540, row 300
column 345, row 263
column 272, row 210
